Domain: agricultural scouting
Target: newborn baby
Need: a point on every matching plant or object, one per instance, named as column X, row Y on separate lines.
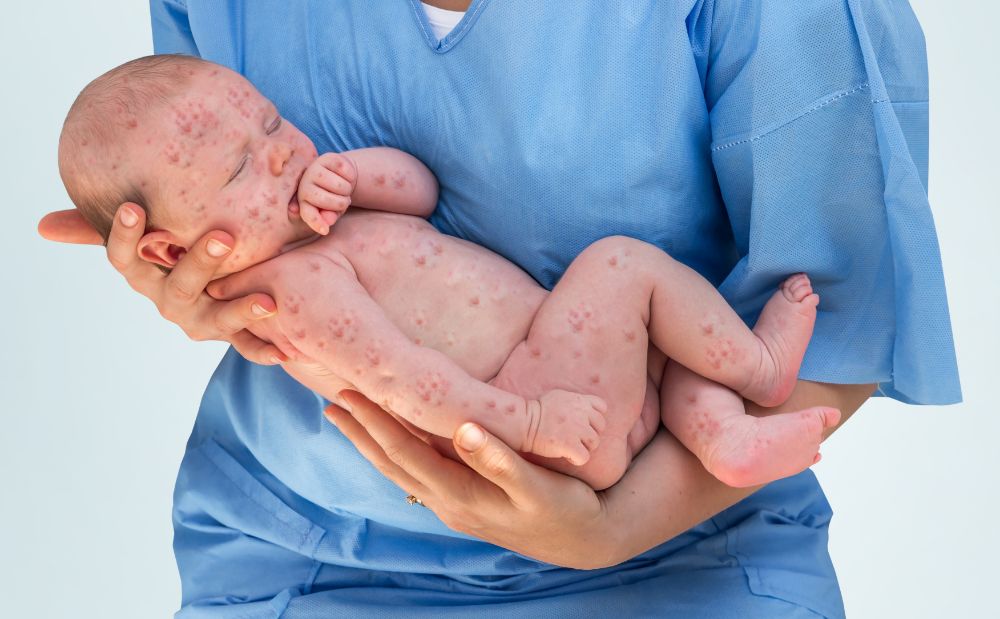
column 435, row 329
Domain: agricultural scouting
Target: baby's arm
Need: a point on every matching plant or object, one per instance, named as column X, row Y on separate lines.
column 379, row 178
column 332, row 319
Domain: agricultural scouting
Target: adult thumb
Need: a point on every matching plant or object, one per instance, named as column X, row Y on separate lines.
column 493, row 459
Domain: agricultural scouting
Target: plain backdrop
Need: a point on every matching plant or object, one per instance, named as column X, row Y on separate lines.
column 99, row 393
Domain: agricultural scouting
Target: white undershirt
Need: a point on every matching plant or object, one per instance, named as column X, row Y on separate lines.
column 442, row 21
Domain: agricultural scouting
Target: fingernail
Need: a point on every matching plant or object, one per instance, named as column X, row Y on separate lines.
column 128, row 218
column 275, row 360
column 217, row 249
column 470, row 437
column 259, row 310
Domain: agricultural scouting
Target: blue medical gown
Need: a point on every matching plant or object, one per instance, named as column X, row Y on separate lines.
column 750, row 140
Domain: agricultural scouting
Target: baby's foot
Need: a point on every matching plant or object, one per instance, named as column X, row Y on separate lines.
column 784, row 328
column 749, row 451
column 565, row 425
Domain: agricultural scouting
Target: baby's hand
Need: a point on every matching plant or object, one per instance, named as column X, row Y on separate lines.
column 325, row 190
column 569, row 426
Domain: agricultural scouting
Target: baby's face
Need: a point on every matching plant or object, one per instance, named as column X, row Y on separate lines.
column 220, row 157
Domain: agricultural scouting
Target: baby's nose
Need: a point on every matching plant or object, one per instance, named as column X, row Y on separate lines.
column 278, row 157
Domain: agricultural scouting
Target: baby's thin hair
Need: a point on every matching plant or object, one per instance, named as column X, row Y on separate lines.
column 99, row 121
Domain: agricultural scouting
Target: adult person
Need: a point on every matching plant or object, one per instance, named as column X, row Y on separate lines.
column 749, row 138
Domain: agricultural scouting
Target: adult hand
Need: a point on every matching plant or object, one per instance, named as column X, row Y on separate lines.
column 502, row 498
column 179, row 295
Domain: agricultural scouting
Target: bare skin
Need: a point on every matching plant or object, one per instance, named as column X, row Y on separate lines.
column 188, row 305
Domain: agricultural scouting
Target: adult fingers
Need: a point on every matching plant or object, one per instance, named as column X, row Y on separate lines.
column 255, row 349
column 494, row 460
column 372, row 451
column 126, row 230
column 234, row 316
column 68, row 226
column 193, row 272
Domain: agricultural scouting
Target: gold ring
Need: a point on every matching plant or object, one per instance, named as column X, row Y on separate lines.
column 412, row 500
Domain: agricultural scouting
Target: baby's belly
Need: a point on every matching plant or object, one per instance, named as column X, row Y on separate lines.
column 442, row 292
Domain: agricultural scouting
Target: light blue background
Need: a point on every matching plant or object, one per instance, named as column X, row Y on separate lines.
column 100, row 393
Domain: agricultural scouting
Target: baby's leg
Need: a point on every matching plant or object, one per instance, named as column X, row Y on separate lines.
column 739, row 449
column 691, row 323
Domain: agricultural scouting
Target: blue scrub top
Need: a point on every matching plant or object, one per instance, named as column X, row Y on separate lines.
column 749, row 139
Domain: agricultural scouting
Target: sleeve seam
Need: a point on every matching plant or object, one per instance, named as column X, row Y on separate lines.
column 816, row 106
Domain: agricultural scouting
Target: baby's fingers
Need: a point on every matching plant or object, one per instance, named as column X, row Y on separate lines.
column 311, row 215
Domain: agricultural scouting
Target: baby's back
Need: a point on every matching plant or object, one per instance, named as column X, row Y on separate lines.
column 442, row 292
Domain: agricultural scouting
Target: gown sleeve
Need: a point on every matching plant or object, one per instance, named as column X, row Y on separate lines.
column 819, row 114
column 171, row 29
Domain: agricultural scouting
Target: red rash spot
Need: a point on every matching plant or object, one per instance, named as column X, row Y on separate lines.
column 630, row 336
column 299, row 334
column 419, row 321
column 380, row 180
column 577, row 354
column 474, row 301
column 321, row 344
column 314, row 267
column 438, row 250
column 293, row 308
column 132, row 123
column 535, row 353
column 149, row 140
column 254, row 213
column 613, row 260
column 510, row 409
column 595, row 379
column 399, row 182
column 491, row 404
column 691, row 398
column 707, row 329
column 85, row 142
column 420, row 260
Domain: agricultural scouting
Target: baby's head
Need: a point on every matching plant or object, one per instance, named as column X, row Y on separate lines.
column 197, row 147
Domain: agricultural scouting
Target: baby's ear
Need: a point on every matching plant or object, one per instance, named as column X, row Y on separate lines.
column 161, row 247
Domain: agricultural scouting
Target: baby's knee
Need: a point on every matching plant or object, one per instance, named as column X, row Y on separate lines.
column 622, row 251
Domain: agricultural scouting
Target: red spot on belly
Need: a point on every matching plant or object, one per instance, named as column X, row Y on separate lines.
column 420, row 260
column 535, row 352
column 314, row 267
column 630, row 336
column 510, row 409
column 299, row 334
column 474, row 301
column 613, row 260
column 132, row 123
column 595, row 379
column 491, row 404
column 380, row 180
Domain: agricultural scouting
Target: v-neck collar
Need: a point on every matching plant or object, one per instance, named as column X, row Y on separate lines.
column 451, row 39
